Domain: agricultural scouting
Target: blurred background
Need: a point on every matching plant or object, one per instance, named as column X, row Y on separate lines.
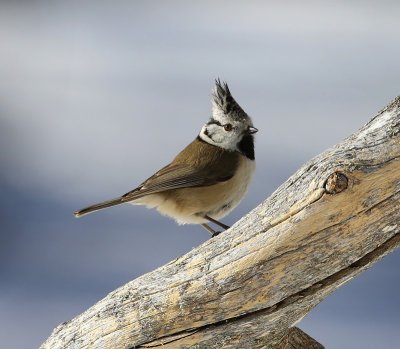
column 96, row 96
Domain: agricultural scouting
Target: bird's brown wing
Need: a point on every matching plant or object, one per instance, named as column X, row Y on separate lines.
column 179, row 176
column 199, row 164
column 168, row 178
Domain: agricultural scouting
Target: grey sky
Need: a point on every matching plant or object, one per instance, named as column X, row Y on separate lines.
column 96, row 96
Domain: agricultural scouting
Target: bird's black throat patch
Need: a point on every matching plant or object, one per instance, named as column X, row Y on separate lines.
column 246, row 146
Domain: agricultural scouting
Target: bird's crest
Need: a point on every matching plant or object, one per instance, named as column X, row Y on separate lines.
column 224, row 103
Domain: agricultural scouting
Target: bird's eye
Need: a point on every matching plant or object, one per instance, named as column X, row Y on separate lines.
column 228, row 127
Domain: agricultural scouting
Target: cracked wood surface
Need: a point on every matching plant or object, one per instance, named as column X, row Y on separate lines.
column 245, row 288
column 297, row 339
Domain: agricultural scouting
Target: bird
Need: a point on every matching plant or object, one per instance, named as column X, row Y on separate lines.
column 209, row 177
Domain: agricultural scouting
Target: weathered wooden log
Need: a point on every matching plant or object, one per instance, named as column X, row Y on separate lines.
column 297, row 339
column 247, row 287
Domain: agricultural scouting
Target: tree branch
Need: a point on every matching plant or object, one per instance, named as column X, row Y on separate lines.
column 246, row 288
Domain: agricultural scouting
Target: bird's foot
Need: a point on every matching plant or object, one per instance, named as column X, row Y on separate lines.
column 215, row 234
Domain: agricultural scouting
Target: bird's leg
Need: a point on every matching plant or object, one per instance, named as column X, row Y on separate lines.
column 210, row 230
column 222, row 225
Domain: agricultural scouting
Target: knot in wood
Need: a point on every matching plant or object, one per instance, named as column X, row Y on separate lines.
column 336, row 183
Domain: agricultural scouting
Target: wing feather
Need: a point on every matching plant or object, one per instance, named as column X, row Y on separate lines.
column 199, row 164
column 176, row 177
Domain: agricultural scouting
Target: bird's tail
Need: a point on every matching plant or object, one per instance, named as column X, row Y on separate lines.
column 99, row 206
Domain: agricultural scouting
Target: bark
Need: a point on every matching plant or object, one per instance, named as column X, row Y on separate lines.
column 247, row 287
column 297, row 339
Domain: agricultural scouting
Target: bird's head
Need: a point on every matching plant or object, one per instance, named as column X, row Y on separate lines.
column 229, row 126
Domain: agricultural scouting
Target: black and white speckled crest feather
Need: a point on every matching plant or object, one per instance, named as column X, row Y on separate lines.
column 223, row 100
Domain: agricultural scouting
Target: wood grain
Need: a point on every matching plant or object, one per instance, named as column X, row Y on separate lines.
column 297, row 339
column 246, row 288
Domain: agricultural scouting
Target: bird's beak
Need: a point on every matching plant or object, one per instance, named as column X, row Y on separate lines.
column 252, row 130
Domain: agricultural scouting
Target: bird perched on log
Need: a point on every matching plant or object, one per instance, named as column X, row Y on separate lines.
column 209, row 177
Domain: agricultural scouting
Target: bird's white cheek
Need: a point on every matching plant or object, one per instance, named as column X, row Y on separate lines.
column 218, row 138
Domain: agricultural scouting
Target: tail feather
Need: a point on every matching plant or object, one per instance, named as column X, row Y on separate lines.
column 99, row 206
